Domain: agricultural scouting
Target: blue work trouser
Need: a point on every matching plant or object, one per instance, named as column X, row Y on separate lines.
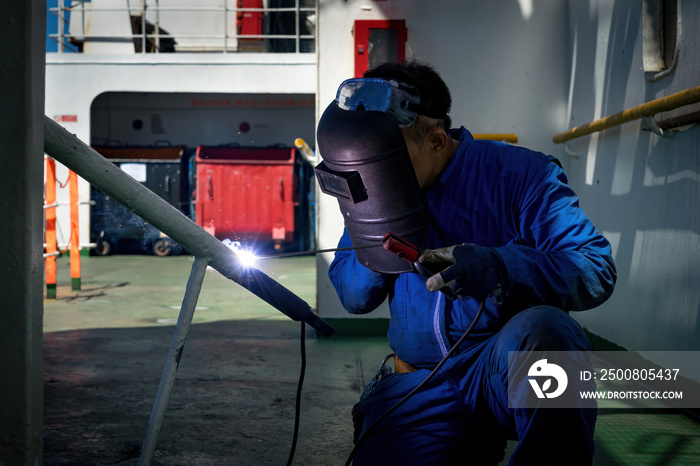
column 462, row 415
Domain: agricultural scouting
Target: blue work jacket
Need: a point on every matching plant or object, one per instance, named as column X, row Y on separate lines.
column 501, row 196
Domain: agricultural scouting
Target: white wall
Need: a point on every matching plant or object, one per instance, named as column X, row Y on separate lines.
column 73, row 81
column 505, row 65
column 201, row 118
column 642, row 190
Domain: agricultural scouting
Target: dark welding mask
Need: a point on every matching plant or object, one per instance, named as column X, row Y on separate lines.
column 366, row 167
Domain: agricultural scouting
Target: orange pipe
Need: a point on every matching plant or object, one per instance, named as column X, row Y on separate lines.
column 50, row 238
column 664, row 104
column 74, row 235
column 503, row 137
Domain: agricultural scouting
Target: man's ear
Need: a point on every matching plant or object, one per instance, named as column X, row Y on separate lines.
column 438, row 139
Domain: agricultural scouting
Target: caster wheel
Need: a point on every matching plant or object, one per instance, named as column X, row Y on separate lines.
column 162, row 247
column 103, row 248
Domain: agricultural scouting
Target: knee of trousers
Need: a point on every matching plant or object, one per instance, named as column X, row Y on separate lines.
column 544, row 328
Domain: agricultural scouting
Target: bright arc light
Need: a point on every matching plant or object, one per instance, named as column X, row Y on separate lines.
column 245, row 256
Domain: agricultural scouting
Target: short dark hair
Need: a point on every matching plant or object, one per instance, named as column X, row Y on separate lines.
column 435, row 98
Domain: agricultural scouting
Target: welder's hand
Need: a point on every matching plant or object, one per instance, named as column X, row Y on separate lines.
column 472, row 271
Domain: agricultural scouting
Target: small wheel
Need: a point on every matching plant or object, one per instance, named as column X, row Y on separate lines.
column 103, row 248
column 162, row 247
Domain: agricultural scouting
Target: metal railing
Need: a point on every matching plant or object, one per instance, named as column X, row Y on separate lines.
column 647, row 110
column 158, row 33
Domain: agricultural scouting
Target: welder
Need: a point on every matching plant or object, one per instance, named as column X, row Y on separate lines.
column 503, row 229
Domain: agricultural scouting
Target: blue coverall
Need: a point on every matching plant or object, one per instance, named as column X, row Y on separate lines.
column 518, row 202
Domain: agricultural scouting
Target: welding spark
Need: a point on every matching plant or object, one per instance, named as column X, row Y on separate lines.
column 245, row 256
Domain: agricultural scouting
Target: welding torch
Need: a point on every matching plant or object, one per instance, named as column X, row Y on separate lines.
column 411, row 253
column 390, row 242
column 316, row 251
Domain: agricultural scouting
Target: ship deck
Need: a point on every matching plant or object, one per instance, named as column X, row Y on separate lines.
column 233, row 401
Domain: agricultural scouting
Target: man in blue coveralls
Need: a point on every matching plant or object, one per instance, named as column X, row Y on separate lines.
column 509, row 227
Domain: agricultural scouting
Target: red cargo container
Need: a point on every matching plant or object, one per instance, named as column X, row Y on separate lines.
column 246, row 194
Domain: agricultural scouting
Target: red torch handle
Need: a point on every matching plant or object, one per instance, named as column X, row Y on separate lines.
column 409, row 252
column 400, row 247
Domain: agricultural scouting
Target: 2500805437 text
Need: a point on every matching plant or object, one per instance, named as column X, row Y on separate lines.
column 630, row 374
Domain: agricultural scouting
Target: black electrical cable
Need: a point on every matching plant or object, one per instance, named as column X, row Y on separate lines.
column 418, row 387
column 297, row 413
column 317, row 251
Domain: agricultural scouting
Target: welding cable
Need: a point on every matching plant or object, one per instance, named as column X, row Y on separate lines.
column 317, row 251
column 418, row 387
column 297, row 412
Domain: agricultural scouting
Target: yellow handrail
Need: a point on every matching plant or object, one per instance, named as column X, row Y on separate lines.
column 503, row 137
column 679, row 99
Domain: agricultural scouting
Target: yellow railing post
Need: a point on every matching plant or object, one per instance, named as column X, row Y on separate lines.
column 502, row 137
column 663, row 104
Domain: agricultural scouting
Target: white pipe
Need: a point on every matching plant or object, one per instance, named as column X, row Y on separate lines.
column 167, row 381
column 56, row 204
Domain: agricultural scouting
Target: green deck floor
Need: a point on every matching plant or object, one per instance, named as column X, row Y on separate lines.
column 105, row 346
column 664, row 438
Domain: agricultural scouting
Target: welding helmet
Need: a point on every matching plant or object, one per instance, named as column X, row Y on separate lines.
column 398, row 100
column 367, row 168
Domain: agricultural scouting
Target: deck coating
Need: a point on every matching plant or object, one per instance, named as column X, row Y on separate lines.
column 233, row 401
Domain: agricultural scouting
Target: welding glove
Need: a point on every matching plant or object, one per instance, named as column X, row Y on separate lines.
column 470, row 270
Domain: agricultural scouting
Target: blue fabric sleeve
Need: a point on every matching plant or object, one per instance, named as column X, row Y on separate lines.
column 360, row 289
column 563, row 260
